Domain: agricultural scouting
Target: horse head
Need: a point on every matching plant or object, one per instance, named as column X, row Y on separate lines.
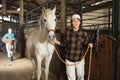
column 49, row 21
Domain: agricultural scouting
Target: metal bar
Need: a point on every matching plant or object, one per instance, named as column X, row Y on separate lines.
column 99, row 23
column 98, row 11
column 114, row 34
column 109, row 18
column 93, row 15
column 96, row 17
column 33, row 10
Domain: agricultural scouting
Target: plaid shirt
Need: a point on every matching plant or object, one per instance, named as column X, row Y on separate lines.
column 74, row 43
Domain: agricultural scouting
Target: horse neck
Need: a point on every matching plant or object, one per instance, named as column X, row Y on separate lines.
column 43, row 33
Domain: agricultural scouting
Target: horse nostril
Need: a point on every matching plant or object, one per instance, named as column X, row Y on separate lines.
column 53, row 36
column 49, row 37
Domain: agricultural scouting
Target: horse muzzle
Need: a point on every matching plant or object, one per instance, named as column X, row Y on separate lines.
column 51, row 35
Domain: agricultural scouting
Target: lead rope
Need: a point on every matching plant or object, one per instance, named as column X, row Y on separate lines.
column 90, row 60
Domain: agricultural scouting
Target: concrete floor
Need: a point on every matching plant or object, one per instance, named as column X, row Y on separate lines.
column 19, row 69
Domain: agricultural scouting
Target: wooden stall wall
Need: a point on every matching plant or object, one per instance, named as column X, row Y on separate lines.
column 101, row 67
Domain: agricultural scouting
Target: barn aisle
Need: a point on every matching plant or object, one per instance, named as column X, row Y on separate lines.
column 19, row 69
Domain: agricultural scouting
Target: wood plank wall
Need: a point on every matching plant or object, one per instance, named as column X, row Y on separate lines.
column 101, row 68
column 6, row 25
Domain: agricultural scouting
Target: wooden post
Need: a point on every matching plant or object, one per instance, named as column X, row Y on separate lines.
column 63, row 16
column 62, row 31
column 21, row 13
column 22, row 38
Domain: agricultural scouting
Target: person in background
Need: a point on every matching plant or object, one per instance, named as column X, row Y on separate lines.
column 7, row 39
column 74, row 42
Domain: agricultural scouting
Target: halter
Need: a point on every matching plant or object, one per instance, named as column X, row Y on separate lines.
column 50, row 30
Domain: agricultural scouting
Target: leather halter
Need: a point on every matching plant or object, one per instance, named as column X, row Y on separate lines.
column 50, row 30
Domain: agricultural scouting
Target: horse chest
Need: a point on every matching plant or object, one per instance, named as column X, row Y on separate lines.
column 44, row 49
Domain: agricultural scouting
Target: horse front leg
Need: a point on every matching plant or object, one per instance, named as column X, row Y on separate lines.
column 39, row 60
column 47, row 64
column 34, row 69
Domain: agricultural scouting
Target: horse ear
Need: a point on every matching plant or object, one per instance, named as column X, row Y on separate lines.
column 43, row 10
column 54, row 9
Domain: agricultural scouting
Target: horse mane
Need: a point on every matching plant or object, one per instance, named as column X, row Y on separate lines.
column 37, row 32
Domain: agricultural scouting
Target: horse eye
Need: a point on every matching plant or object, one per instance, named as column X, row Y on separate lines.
column 45, row 20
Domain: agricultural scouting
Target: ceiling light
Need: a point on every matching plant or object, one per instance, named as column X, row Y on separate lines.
column 83, row 7
column 18, row 9
column 0, row 5
column 9, row 16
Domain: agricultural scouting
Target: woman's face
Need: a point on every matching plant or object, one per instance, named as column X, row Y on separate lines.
column 75, row 23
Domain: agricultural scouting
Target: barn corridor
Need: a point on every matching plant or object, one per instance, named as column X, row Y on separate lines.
column 19, row 69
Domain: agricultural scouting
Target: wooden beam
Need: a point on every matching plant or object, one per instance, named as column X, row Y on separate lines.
column 10, row 12
column 3, row 6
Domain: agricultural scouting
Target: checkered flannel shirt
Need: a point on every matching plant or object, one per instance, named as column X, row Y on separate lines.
column 74, row 43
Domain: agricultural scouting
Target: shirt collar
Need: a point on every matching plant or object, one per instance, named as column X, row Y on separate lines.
column 75, row 31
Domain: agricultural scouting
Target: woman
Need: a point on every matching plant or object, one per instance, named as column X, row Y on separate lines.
column 74, row 42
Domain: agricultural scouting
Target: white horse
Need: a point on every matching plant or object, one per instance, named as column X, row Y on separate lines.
column 38, row 44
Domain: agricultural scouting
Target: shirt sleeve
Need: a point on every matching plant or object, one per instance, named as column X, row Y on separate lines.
column 86, row 38
column 13, row 35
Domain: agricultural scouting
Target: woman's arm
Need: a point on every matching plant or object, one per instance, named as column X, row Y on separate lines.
column 6, row 41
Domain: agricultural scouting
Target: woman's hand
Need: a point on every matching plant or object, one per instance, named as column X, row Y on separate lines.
column 90, row 45
column 56, row 41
